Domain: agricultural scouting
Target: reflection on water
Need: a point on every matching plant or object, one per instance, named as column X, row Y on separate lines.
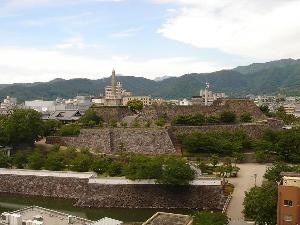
column 10, row 202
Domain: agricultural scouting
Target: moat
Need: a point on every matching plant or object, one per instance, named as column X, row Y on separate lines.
column 10, row 202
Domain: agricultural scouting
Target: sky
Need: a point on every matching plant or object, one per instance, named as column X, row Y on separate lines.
column 41, row 40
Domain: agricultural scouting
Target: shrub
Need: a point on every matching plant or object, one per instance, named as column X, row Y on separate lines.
column 227, row 117
column 245, row 117
column 20, row 159
column 115, row 169
column 69, row 130
column 160, row 122
column 4, row 160
column 101, row 165
column 82, row 163
column 210, row 218
column 54, row 161
column 213, row 119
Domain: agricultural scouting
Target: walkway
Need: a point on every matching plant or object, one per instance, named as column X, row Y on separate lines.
column 242, row 183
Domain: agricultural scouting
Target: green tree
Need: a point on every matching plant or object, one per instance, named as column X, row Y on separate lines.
column 51, row 126
column 82, row 163
column 260, row 204
column 20, row 159
column 24, row 127
column 4, row 160
column 135, row 104
column 227, row 117
column 176, row 172
column 265, row 109
column 54, row 161
column 69, row 130
column 143, row 167
column 101, row 164
column 273, row 173
column 36, row 160
column 115, row 168
column 245, row 117
column 214, row 160
column 90, row 118
column 210, row 218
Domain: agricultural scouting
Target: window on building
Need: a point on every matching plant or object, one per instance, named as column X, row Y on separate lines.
column 288, row 218
column 288, row 203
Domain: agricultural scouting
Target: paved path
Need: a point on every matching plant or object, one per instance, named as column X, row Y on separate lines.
column 242, row 183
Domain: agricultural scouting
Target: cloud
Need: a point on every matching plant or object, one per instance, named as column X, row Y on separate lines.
column 267, row 29
column 126, row 33
column 76, row 43
column 29, row 65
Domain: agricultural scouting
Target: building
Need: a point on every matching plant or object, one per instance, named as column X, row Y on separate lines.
column 162, row 218
column 66, row 116
column 8, row 103
column 288, row 212
column 112, row 93
column 289, row 109
column 35, row 215
column 185, row 102
column 145, row 99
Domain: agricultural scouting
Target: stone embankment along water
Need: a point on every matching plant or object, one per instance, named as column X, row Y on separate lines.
column 88, row 191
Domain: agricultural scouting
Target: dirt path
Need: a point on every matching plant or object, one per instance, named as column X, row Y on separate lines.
column 242, row 183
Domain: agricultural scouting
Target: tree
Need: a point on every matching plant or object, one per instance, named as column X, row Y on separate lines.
column 36, row 160
column 214, row 160
column 210, row 218
column 4, row 160
column 90, row 118
column 265, row 109
column 260, row 204
column 69, row 130
column 115, row 168
column 82, row 163
column 20, row 159
column 227, row 117
column 144, row 167
column 54, row 161
column 101, row 164
column 176, row 172
column 51, row 126
column 273, row 173
column 245, row 117
column 24, row 127
column 135, row 104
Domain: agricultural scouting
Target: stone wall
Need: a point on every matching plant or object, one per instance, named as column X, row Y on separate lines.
column 125, row 196
column 153, row 112
column 237, row 106
column 106, row 140
column 253, row 130
column 109, row 113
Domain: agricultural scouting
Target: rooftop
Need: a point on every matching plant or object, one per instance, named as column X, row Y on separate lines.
column 161, row 218
column 48, row 216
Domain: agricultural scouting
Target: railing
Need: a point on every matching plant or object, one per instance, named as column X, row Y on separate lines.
column 225, row 207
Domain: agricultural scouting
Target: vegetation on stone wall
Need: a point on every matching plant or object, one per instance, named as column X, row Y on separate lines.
column 200, row 119
column 69, row 130
column 135, row 104
column 91, row 119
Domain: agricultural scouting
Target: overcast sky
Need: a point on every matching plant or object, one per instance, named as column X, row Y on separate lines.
column 45, row 39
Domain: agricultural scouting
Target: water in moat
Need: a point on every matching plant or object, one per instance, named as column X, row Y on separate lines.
column 10, row 202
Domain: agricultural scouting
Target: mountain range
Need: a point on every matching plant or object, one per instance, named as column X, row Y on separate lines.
column 281, row 76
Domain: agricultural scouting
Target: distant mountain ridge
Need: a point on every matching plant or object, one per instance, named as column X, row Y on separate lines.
column 281, row 76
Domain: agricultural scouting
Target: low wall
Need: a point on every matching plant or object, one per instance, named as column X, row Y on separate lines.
column 113, row 140
column 95, row 194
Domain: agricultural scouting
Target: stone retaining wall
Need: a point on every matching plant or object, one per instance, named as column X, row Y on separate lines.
column 106, row 140
column 253, row 130
column 120, row 196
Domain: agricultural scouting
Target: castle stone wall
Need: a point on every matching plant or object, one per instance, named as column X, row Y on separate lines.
column 120, row 196
column 106, row 140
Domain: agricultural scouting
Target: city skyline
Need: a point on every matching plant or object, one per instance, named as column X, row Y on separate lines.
column 43, row 40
